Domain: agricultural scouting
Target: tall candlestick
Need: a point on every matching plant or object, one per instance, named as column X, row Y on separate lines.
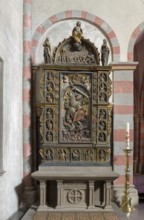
column 127, row 135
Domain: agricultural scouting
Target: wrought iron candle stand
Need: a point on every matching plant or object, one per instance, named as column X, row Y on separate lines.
column 126, row 205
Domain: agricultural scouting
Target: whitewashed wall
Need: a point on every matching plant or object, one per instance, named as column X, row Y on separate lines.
column 123, row 16
column 11, row 13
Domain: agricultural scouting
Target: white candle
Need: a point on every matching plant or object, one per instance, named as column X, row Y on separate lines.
column 127, row 127
column 127, row 135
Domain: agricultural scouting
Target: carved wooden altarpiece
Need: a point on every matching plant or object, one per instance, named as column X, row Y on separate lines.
column 74, row 123
column 74, row 114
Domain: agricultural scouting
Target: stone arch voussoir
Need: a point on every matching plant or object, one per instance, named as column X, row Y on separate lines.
column 135, row 35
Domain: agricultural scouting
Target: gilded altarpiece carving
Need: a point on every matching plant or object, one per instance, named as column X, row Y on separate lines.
column 72, row 103
column 74, row 114
column 74, row 124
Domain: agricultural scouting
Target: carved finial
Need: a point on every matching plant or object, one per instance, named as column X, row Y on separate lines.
column 104, row 53
column 47, row 51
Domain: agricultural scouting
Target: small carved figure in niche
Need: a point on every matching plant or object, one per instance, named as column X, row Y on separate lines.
column 49, row 136
column 95, row 97
column 90, row 58
column 102, row 155
column 87, row 134
column 108, row 155
column 102, row 97
column 65, row 81
column 76, row 154
column 49, row 97
column 86, row 82
column 104, row 53
column 77, row 35
column 102, row 114
column 49, row 113
column 63, row 56
column 50, row 76
column 103, row 77
column 41, row 152
column 49, row 154
column 49, row 87
column 102, row 137
column 89, row 155
column 102, row 125
column 49, row 124
column 103, row 87
column 47, row 51
column 62, row 154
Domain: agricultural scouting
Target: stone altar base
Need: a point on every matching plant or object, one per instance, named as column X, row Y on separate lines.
column 75, row 216
column 70, row 188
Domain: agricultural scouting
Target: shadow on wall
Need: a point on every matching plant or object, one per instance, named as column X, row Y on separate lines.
column 21, row 209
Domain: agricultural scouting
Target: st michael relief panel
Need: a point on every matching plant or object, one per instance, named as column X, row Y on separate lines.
column 72, row 107
column 75, row 107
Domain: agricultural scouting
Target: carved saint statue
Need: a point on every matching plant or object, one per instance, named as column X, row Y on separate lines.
column 77, row 35
column 104, row 53
column 75, row 111
column 47, row 51
column 49, row 154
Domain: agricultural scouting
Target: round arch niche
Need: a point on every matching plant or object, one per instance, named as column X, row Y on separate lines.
column 64, row 22
column 63, row 30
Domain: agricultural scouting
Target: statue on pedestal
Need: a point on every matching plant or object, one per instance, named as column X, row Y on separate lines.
column 77, row 34
column 47, row 51
column 104, row 53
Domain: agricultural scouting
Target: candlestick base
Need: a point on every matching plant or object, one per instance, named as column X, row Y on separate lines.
column 126, row 204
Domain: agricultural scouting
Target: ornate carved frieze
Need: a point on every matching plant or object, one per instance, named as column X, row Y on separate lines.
column 79, row 155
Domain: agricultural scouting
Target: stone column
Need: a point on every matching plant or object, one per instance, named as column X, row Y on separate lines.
column 42, row 195
column 107, row 195
column 91, row 194
column 59, row 193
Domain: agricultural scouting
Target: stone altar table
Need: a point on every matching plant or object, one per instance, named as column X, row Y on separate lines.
column 76, row 187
